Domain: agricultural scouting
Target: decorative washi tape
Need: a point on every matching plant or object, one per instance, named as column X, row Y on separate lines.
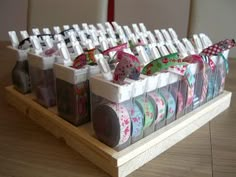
column 210, row 89
column 190, row 96
column 80, row 61
column 223, row 71
column 219, row 47
column 170, row 101
column 225, row 62
column 204, row 84
column 88, row 57
column 216, row 49
column 148, row 110
column 199, row 59
column 112, row 124
column 115, row 49
column 137, row 118
column 82, row 102
column 162, row 63
column 159, row 101
column 180, row 100
column 128, row 66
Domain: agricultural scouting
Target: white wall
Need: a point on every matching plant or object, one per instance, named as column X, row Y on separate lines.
column 13, row 16
column 155, row 13
column 48, row 13
column 217, row 18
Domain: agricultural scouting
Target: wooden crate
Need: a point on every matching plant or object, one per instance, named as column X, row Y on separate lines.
column 122, row 163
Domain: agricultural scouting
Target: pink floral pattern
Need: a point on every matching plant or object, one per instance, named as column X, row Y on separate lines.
column 160, row 105
column 124, row 120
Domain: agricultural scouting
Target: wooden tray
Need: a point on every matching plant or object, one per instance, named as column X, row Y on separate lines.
column 122, row 163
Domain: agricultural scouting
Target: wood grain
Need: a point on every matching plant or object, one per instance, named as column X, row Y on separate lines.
column 122, row 163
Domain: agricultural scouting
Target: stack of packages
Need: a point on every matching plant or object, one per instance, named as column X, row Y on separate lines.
column 130, row 83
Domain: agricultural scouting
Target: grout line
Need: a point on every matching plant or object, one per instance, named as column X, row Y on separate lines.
column 212, row 166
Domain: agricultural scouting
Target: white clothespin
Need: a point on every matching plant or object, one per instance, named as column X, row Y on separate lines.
column 111, row 42
column 89, row 44
column 173, row 34
column 13, row 38
column 104, row 67
column 36, row 44
column 163, row 50
column 143, row 39
column 135, row 28
column 85, row 27
column 171, row 47
column 151, row 37
column 133, row 39
column 65, row 54
column 46, row 31
column 120, row 32
column 111, row 33
column 24, row 34
column 189, row 46
column 154, row 52
column 66, row 27
column 36, row 31
column 76, row 27
column 166, row 35
column 142, row 55
column 94, row 37
column 92, row 27
column 127, row 31
column 181, row 48
column 115, row 25
column 57, row 29
column 159, row 36
column 101, row 35
column 104, row 45
column 77, row 48
column 82, row 36
column 108, row 25
column 198, row 43
column 72, row 36
column 123, row 39
column 205, row 40
column 59, row 38
column 48, row 41
column 101, row 27
column 142, row 27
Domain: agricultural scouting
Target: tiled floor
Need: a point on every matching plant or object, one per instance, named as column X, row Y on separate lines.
column 26, row 150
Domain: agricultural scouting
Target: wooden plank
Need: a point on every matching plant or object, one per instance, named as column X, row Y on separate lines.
column 161, row 141
column 117, row 164
column 215, row 107
column 56, row 125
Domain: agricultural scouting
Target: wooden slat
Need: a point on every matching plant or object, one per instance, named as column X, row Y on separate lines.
column 117, row 164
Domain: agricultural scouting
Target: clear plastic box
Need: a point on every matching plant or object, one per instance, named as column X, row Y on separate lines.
column 42, row 79
column 73, row 96
column 20, row 72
